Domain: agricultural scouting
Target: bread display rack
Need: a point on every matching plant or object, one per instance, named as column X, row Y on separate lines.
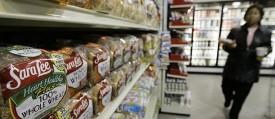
column 47, row 14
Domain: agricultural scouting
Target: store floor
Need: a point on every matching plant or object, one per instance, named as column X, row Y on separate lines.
column 207, row 99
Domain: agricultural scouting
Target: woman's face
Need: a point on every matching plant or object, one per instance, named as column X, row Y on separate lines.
column 253, row 16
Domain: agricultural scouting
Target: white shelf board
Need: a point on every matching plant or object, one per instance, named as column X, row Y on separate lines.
column 176, row 76
column 232, row 18
column 152, row 105
column 112, row 106
column 181, row 6
column 179, row 45
column 208, row 8
column 176, row 61
column 208, row 18
column 37, row 12
column 181, row 27
column 175, row 92
column 202, row 57
column 176, row 108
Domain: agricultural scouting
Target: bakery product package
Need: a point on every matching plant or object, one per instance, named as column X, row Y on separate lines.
column 118, row 80
column 33, row 82
column 98, row 60
column 81, row 3
column 76, row 70
column 101, row 95
column 115, row 49
column 80, row 106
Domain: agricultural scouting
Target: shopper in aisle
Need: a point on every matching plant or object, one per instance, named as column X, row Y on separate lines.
column 246, row 46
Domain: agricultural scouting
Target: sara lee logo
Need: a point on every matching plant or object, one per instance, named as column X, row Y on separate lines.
column 102, row 93
column 100, row 57
column 28, row 71
column 73, row 63
column 80, row 108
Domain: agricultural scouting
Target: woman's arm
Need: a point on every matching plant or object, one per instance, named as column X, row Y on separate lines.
column 230, row 47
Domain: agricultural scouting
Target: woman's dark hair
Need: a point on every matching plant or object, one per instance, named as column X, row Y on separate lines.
column 259, row 7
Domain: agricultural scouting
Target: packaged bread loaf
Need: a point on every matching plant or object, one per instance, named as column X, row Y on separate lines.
column 128, row 70
column 132, row 41
column 98, row 61
column 115, row 50
column 118, row 82
column 33, row 82
column 101, row 95
column 80, row 106
column 105, row 6
column 127, row 46
column 76, row 70
column 81, row 3
column 118, row 8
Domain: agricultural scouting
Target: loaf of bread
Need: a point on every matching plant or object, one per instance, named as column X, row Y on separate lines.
column 76, row 70
column 118, row 8
column 118, row 82
column 81, row 3
column 33, row 82
column 104, row 6
column 101, row 95
column 80, row 106
column 98, row 60
column 115, row 50
column 128, row 70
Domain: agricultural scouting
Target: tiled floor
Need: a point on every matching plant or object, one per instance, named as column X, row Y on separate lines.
column 207, row 99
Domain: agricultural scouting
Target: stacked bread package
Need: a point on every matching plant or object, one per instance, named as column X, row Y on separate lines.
column 115, row 49
column 98, row 61
column 33, row 82
column 81, row 3
column 101, row 95
column 118, row 79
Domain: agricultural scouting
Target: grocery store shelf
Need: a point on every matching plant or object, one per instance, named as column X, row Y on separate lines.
column 176, row 108
column 202, row 57
column 176, row 76
column 207, row 8
column 112, row 106
column 181, row 6
column 181, row 27
column 205, row 39
column 232, row 18
column 179, row 45
column 204, row 48
column 175, row 92
column 207, row 29
column 152, row 105
column 208, row 18
column 240, row 7
column 40, row 13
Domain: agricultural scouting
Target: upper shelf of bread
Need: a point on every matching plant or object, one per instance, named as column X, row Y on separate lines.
column 45, row 13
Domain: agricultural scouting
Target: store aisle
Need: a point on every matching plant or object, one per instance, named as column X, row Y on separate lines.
column 207, row 99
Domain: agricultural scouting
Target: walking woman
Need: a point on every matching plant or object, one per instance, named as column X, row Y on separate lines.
column 248, row 45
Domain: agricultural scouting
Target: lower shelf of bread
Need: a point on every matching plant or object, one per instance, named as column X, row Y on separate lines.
column 176, row 108
column 152, row 105
column 112, row 106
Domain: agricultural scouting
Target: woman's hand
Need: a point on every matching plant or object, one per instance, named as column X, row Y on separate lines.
column 228, row 42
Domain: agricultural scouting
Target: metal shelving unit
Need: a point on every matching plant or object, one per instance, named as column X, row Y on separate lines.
column 42, row 13
column 48, row 14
